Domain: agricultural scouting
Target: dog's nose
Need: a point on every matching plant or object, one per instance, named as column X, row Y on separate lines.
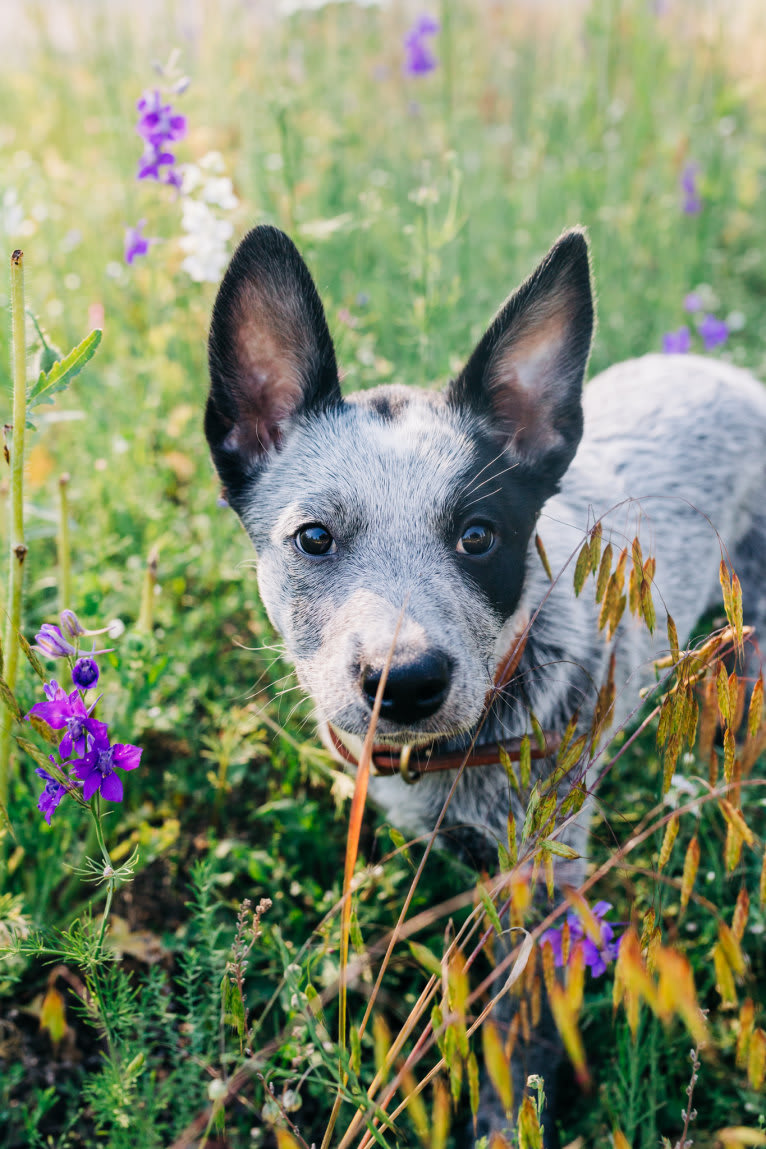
column 413, row 690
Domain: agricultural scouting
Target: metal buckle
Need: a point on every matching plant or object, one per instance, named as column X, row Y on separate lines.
column 404, row 766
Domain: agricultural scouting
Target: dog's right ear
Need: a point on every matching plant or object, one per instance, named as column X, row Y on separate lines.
column 270, row 354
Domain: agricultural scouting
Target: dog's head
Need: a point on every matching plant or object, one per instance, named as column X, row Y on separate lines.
column 397, row 501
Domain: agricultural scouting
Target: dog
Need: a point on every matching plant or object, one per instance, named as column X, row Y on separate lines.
column 415, row 508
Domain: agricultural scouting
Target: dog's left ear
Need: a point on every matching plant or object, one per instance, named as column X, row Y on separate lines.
column 526, row 374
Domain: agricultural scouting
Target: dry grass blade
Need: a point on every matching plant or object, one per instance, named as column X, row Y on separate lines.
column 352, row 852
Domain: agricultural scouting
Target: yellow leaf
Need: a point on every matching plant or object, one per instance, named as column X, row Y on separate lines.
column 746, row 1024
column 755, row 710
column 382, row 1043
column 566, row 1023
column 647, row 606
column 671, row 833
column 595, row 547
column 676, row 992
column 53, row 1015
column 604, row 572
column 736, row 609
column 415, row 1106
column 756, row 1062
column 530, row 1133
column 582, row 567
column 735, row 819
column 498, row 1065
column 691, row 865
column 620, row 1140
column 590, row 922
column 725, row 581
column 731, row 948
column 740, row 1135
column 576, row 978
column 724, row 980
column 722, row 685
column 285, row 1140
column 741, row 911
column 674, row 647
column 472, row 1066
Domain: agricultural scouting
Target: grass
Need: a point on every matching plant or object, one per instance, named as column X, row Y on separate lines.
column 419, row 203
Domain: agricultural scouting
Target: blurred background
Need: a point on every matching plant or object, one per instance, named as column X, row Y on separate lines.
column 423, row 157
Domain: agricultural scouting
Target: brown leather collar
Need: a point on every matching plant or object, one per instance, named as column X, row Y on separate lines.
column 412, row 762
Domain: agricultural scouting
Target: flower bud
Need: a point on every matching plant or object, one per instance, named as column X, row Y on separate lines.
column 70, row 624
column 85, row 673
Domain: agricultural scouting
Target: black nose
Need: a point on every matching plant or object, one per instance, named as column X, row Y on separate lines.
column 413, row 690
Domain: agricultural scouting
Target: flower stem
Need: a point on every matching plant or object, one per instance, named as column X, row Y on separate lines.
column 18, row 550
column 109, row 871
column 145, row 619
column 65, row 553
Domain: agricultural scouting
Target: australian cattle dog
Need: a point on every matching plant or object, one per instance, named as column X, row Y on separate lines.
column 419, row 508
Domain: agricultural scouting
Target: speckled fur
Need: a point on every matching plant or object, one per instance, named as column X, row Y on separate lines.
column 673, row 450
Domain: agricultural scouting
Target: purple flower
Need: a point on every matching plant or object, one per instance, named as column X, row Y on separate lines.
column 135, row 243
column 50, row 641
column 85, row 673
column 713, row 331
column 51, row 795
column 71, row 623
column 158, row 123
column 63, row 711
column 692, row 204
column 96, row 769
column 692, row 302
column 676, row 342
column 419, row 57
column 596, row 956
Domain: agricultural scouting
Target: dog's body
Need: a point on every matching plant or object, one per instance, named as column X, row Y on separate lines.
column 421, row 507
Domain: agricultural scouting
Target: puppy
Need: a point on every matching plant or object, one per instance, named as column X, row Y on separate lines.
column 414, row 507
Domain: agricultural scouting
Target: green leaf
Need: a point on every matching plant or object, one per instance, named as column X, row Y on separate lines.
column 508, row 767
column 424, row 957
column 8, row 699
column 582, row 568
column 31, row 657
column 62, row 373
column 490, row 910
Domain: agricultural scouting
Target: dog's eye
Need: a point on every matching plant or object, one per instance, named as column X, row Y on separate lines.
column 476, row 539
column 315, row 539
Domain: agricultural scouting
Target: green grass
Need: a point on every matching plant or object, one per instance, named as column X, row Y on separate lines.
column 536, row 119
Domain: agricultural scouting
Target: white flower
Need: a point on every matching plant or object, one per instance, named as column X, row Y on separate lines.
column 220, row 192
column 11, row 212
column 213, row 162
column 205, row 243
column 191, row 178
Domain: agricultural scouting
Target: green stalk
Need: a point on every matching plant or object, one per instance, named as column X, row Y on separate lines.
column 145, row 620
column 18, row 550
column 65, row 552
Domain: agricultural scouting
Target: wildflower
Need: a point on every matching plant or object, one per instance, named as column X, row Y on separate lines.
column 693, row 302
column 135, row 242
column 158, row 125
column 420, row 59
column 68, row 711
column 205, row 242
column 596, row 956
column 71, row 623
column 85, row 673
column 96, row 769
column 714, row 332
column 50, row 641
column 676, row 342
column 51, row 795
column 692, row 204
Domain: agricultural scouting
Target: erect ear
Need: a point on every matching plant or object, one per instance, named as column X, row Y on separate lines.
column 270, row 354
column 526, row 374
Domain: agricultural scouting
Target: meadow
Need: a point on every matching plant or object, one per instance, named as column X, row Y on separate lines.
column 422, row 166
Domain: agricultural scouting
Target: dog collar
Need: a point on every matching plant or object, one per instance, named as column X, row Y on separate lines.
column 412, row 762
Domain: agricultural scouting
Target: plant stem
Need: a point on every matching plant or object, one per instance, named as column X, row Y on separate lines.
column 65, row 553
column 145, row 620
column 18, row 550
